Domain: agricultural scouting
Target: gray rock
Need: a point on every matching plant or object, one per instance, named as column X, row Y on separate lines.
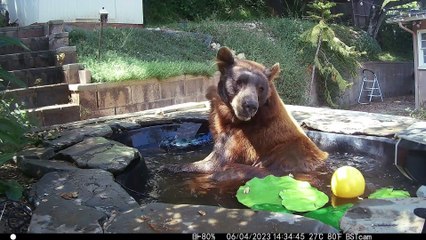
column 37, row 168
column 101, row 153
column 183, row 218
column 123, row 125
column 350, row 122
column 74, row 136
column 421, row 192
column 390, row 215
column 416, row 133
column 94, row 188
column 37, row 152
column 65, row 217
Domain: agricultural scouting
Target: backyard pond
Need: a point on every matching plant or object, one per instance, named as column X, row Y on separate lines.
column 187, row 141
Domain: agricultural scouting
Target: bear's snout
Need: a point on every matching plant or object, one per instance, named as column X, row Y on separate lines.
column 245, row 106
column 250, row 106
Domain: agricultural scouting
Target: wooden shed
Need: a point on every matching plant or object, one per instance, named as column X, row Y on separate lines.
column 414, row 22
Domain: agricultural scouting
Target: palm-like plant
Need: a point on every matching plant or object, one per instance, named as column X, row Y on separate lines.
column 13, row 124
column 323, row 38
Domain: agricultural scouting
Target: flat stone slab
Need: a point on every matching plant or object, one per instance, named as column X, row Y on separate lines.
column 350, row 122
column 70, row 137
column 101, row 153
column 416, row 133
column 384, row 216
column 92, row 188
column 37, row 168
column 123, row 125
column 37, row 152
column 184, row 218
column 65, row 217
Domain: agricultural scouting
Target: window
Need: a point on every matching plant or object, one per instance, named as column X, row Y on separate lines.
column 421, row 38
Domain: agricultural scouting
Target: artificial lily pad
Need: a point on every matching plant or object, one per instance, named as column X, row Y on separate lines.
column 330, row 215
column 303, row 199
column 389, row 193
column 270, row 207
column 263, row 193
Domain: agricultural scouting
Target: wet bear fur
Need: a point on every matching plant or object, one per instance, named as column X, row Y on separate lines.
column 254, row 134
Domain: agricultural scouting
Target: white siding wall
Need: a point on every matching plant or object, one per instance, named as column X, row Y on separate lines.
column 32, row 11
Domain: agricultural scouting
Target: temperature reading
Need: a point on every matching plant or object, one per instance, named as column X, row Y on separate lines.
column 316, row 236
column 334, row 236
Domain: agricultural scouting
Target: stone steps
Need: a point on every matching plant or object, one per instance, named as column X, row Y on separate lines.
column 24, row 60
column 40, row 96
column 55, row 114
column 35, row 30
column 33, row 43
column 45, row 70
column 38, row 76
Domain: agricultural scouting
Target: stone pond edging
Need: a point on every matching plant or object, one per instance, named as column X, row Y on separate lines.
column 76, row 191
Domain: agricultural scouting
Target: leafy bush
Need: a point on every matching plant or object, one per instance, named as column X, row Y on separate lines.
column 168, row 11
column 13, row 126
column 359, row 39
column 396, row 41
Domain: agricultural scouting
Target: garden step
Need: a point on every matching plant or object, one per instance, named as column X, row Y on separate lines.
column 40, row 96
column 34, row 59
column 33, row 43
column 35, row 30
column 55, row 114
column 38, row 76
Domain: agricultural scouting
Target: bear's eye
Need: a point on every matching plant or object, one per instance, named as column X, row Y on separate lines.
column 261, row 89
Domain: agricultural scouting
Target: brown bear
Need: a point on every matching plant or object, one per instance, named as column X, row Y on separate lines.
column 254, row 134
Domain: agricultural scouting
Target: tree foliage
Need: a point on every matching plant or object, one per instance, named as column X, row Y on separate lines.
column 380, row 10
column 322, row 37
column 13, row 125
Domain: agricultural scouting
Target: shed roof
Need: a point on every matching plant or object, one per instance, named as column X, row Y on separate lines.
column 413, row 15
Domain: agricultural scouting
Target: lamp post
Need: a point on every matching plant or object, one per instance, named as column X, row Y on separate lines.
column 103, row 18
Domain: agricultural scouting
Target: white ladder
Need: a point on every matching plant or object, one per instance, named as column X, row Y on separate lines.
column 370, row 85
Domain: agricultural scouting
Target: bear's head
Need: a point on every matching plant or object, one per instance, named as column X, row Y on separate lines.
column 244, row 85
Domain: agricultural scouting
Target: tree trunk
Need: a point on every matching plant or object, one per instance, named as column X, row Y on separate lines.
column 373, row 21
column 377, row 15
column 277, row 7
column 313, row 88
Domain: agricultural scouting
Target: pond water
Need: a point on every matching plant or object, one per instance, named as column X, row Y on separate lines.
column 179, row 143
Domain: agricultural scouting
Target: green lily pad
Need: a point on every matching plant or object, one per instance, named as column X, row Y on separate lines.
column 270, row 207
column 263, row 193
column 330, row 215
column 389, row 193
column 303, row 199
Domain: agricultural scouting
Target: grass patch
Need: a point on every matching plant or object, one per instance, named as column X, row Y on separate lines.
column 139, row 54
column 131, row 54
column 114, row 68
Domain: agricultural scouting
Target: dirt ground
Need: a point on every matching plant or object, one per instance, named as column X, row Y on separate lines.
column 401, row 106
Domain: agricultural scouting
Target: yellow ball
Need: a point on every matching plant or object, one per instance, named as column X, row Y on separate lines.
column 347, row 182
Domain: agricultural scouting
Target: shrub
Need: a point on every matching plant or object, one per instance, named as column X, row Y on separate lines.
column 168, row 11
column 13, row 126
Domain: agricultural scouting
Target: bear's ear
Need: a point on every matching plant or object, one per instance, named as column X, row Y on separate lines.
column 273, row 72
column 224, row 58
